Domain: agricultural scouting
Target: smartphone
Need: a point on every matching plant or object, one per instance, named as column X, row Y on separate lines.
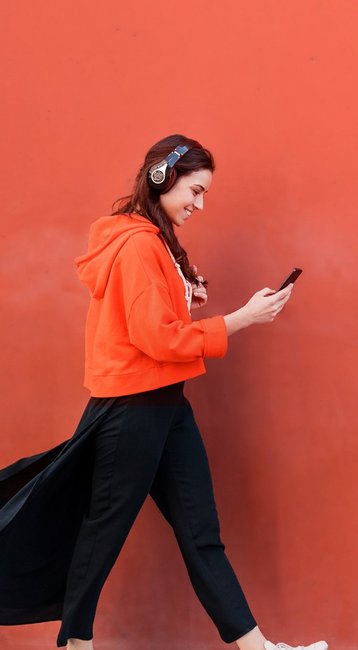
column 291, row 278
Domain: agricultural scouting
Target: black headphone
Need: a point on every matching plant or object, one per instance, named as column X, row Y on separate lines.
column 158, row 176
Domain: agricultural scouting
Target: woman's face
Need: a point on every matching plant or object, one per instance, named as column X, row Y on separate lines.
column 186, row 196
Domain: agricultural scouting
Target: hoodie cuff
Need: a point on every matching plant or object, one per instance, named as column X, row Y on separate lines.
column 215, row 336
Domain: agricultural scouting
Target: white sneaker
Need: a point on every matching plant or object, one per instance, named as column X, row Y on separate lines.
column 319, row 645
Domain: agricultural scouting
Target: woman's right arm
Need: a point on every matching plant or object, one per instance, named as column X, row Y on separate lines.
column 263, row 307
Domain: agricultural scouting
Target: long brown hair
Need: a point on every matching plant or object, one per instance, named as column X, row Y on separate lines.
column 145, row 201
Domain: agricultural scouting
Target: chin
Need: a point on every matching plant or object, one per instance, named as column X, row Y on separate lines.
column 179, row 222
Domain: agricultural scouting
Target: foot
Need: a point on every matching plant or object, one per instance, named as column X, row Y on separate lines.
column 319, row 645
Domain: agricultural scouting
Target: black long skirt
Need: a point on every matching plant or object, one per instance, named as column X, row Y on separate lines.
column 42, row 502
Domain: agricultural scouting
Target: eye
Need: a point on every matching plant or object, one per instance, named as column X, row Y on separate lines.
column 195, row 192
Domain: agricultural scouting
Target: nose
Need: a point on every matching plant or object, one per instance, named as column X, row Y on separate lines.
column 199, row 201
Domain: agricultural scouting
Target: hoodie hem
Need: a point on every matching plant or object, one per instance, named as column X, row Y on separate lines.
column 118, row 385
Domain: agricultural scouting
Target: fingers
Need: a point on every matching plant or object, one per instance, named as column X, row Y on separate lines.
column 279, row 294
column 279, row 308
column 199, row 300
column 199, row 291
column 281, row 297
column 281, row 303
column 279, row 300
column 195, row 269
column 285, row 291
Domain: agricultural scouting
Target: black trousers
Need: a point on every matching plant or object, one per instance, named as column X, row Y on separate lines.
column 149, row 443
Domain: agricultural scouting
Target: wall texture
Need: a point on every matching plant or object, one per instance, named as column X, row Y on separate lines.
column 271, row 87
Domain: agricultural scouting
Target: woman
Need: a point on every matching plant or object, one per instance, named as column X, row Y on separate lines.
column 141, row 346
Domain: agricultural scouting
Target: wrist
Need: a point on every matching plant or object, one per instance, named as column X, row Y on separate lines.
column 244, row 316
column 237, row 320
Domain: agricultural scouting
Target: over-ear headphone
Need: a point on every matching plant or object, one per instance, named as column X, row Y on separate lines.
column 158, row 175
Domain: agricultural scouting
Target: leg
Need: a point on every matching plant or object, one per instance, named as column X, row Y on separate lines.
column 183, row 491
column 128, row 446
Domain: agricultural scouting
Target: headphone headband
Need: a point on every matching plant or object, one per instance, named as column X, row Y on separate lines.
column 174, row 156
column 157, row 175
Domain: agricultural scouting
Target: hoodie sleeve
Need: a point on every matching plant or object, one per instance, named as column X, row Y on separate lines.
column 153, row 324
column 154, row 328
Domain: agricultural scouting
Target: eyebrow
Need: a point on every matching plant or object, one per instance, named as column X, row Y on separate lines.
column 203, row 188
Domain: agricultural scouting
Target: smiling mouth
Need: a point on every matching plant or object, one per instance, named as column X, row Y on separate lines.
column 188, row 212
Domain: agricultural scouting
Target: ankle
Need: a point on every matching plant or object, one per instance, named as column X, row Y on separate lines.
column 253, row 640
column 79, row 644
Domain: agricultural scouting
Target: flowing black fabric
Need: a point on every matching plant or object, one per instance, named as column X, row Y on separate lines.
column 66, row 512
column 42, row 501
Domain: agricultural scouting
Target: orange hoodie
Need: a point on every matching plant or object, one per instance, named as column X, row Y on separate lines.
column 139, row 334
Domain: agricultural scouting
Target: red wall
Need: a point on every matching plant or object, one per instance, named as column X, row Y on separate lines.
column 271, row 88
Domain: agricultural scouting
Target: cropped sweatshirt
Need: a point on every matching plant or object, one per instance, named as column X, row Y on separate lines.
column 139, row 332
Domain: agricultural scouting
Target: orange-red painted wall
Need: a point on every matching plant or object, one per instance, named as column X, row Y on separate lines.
column 271, row 88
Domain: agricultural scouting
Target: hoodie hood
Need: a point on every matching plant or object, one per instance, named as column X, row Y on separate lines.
column 107, row 235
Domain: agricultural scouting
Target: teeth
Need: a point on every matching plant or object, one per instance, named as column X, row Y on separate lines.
column 187, row 211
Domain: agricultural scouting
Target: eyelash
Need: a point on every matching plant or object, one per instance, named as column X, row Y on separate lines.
column 195, row 193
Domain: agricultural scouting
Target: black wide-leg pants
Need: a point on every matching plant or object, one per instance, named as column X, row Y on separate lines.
column 149, row 443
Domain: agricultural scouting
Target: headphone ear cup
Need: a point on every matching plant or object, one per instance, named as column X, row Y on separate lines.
column 170, row 179
column 157, row 177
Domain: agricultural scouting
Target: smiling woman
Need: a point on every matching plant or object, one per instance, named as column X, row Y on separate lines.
column 66, row 512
